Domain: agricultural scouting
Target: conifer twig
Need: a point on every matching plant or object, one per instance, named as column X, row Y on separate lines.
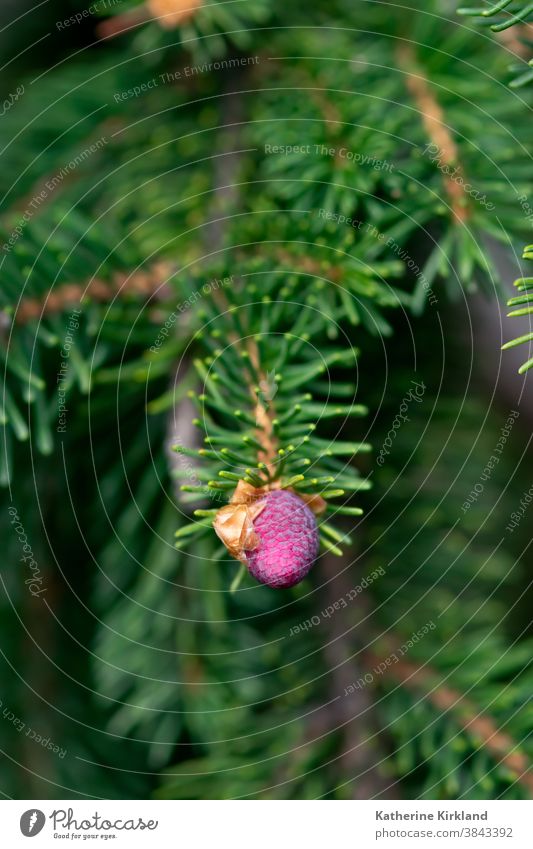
column 434, row 122
column 497, row 743
column 140, row 282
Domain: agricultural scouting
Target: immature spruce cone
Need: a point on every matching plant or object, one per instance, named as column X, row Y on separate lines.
column 288, row 540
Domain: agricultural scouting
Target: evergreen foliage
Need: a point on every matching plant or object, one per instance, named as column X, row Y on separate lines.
column 523, row 302
column 257, row 214
column 501, row 16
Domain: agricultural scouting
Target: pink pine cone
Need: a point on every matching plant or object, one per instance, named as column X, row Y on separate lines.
column 288, row 537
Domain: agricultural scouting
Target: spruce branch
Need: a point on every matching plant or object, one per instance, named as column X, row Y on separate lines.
column 261, row 426
column 142, row 283
column 512, row 12
column 509, row 20
column 434, row 120
column 522, row 306
column 480, row 726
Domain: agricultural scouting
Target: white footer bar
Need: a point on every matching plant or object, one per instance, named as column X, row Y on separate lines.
column 267, row 825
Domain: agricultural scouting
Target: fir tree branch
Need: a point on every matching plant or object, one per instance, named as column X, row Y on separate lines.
column 510, row 24
column 142, row 283
column 522, row 307
column 496, row 742
column 435, row 124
